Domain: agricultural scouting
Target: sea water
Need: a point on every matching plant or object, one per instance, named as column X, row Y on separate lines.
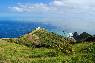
column 14, row 29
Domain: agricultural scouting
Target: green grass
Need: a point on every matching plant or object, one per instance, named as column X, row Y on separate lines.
column 15, row 53
column 83, row 53
column 43, row 38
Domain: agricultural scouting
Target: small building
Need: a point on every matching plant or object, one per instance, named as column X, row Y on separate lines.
column 70, row 35
column 38, row 28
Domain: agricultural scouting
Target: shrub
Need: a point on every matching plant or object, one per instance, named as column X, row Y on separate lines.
column 43, row 38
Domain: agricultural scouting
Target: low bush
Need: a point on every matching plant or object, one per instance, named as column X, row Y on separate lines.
column 43, row 38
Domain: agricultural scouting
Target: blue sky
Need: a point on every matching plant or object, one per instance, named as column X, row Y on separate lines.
column 5, row 3
column 71, row 15
column 5, row 12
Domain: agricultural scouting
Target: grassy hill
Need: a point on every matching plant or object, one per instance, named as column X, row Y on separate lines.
column 41, row 46
column 43, row 38
column 15, row 53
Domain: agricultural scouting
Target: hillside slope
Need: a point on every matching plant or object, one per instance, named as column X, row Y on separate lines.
column 43, row 38
column 15, row 53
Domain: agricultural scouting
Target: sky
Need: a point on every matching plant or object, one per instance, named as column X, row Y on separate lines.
column 70, row 15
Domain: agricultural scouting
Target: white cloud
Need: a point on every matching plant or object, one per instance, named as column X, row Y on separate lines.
column 73, row 15
column 16, row 9
column 83, row 4
column 29, row 7
column 59, row 5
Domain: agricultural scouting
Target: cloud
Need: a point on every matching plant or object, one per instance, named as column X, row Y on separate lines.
column 57, row 3
column 56, row 6
column 71, row 15
column 29, row 7
column 16, row 9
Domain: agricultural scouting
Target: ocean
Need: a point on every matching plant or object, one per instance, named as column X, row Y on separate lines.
column 14, row 29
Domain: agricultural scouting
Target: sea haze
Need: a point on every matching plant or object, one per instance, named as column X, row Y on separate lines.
column 13, row 29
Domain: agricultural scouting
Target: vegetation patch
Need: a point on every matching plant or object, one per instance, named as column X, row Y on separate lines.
column 41, row 46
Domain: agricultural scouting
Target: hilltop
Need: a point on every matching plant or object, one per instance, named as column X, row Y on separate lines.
column 42, row 38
